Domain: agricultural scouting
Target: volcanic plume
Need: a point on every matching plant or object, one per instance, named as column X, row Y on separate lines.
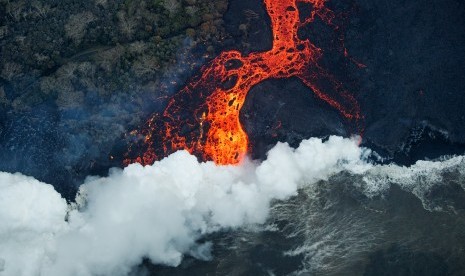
column 203, row 118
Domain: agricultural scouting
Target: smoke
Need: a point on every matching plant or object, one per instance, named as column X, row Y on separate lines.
column 156, row 212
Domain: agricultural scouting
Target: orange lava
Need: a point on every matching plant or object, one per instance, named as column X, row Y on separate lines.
column 203, row 118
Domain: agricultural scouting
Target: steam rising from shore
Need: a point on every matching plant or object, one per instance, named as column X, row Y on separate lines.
column 159, row 212
column 155, row 211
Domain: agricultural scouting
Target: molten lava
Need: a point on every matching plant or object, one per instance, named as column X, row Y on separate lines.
column 203, row 118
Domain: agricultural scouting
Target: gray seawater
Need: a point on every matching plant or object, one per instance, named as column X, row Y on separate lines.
column 388, row 220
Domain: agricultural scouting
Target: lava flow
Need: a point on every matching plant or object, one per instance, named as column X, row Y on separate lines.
column 203, row 118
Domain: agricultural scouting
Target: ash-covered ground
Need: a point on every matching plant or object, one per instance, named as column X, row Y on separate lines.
column 76, row 77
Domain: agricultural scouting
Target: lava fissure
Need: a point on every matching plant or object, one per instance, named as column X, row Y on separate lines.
column 203, row 118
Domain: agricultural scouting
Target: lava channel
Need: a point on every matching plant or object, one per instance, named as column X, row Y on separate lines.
column 203, row 118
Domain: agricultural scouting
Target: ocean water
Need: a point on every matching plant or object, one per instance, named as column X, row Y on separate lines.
column 388, row 220
column 324, row 208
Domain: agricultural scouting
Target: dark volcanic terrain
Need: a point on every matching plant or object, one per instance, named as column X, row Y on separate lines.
column 67, row 98
column 77, row 76
column 412, row 91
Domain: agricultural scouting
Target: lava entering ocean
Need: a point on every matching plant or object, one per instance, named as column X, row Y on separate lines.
column 203, row 118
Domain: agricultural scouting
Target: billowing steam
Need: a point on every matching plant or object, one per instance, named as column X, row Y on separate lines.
column 155, row 211
column 159, row 212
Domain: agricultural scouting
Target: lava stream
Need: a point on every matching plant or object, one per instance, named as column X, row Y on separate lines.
column 203, row 118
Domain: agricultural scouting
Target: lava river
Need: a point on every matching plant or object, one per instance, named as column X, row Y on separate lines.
column 203, row 118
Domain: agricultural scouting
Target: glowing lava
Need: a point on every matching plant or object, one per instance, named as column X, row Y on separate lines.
column 203, row 118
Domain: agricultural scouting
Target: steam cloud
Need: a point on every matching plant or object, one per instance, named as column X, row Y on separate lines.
column 157, row 212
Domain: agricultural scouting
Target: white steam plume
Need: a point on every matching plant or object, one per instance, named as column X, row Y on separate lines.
column 157, row 212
